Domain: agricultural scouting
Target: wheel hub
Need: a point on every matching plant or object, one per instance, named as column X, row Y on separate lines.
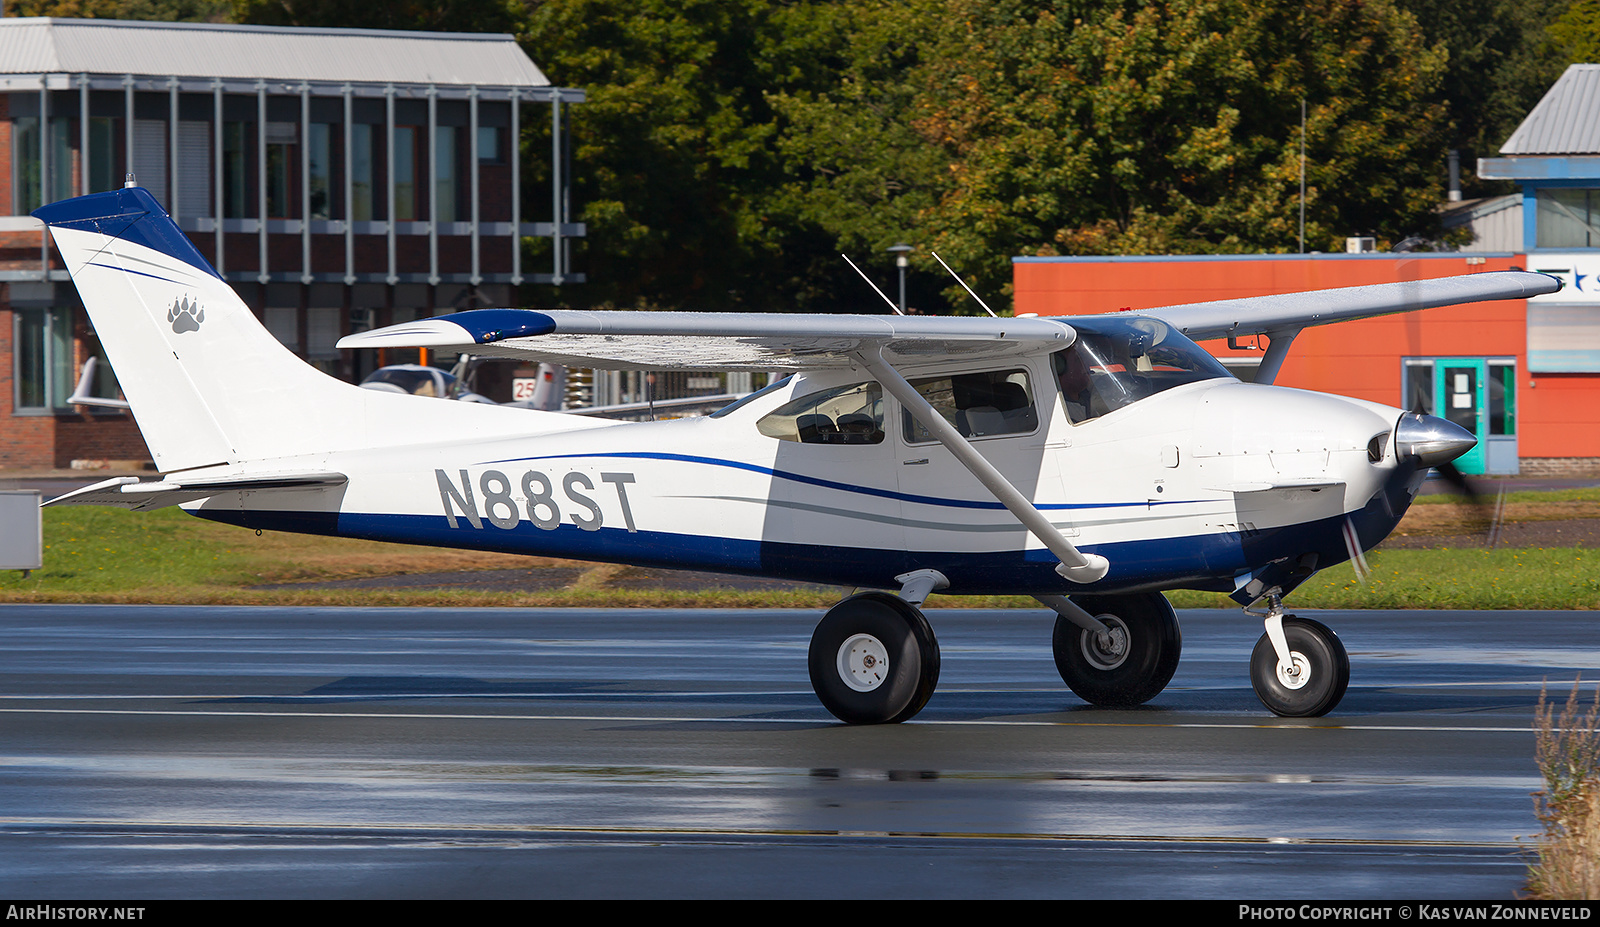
column 1297, row 674
column 1106, row 650
column 863, row 662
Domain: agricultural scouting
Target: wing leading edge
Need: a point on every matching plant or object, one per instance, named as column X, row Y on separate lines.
column 715, row 340
column 1266, row 315
column 755, row 341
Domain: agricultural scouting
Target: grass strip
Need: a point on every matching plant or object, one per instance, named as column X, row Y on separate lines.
column 108, row 555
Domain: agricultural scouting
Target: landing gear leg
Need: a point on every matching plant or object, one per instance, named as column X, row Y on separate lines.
column 1299, row 668
column 874, row 660
column 1131, row 660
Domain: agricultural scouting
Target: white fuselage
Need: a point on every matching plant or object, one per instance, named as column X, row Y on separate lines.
column 1202, row 485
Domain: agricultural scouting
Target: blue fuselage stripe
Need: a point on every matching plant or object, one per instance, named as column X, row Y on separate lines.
column 832, row 484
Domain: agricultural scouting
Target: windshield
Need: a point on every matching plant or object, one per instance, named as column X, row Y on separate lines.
column 1118, row 361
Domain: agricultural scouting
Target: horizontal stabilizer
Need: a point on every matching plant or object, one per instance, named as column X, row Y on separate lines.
column 715, row 340
column 129, row 492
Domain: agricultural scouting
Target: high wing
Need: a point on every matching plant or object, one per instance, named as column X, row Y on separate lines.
column 774, row 341
column 715, row 340
column 1266, row 315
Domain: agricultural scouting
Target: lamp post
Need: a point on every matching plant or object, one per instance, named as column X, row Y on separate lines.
column 901, row 261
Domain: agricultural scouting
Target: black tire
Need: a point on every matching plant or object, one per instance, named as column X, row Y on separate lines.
column 1326, row 670
column 1135, row 665
column 855, row 639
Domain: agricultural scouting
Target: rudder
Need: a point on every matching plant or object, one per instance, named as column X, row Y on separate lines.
column 208, row 384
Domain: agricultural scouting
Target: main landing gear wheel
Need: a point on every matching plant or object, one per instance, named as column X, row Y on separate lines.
column 1316, row 681
column 1132, row 661
column 874, row 660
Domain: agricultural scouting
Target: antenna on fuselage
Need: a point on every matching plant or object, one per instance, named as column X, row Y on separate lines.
column 871, row 284
column 964, row 286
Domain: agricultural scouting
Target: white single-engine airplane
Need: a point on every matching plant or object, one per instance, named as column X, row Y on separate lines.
column 1090, row 462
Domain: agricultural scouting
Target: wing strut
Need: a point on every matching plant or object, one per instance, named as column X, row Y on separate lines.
column 1277, row 349
column 1075, row 566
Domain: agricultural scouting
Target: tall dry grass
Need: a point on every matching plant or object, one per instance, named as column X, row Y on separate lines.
column 1568, row 754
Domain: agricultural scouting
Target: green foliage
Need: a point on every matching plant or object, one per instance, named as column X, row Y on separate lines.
column 172, row 11
column 1501, row 61
column 1576, row 34
column 1103, row 127
column 101, row 550
column 412, row 15
column 730, row 149
column 1556, row 577
column 676, row 144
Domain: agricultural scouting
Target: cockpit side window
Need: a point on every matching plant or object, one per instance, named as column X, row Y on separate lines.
column 850, row 414
column 978, row 405
column 1116, row 362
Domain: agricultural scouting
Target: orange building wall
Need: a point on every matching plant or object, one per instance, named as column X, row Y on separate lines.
column 1558, row 415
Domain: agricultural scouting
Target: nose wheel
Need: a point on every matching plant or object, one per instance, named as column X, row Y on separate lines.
column 874, row 660
column 1313, row 679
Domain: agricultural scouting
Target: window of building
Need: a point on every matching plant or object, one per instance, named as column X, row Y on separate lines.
column 42, row 355
column 103, row 173
column 322, row 333
column 235, row 171
column 444, row 173
column 404, row 180
column 320, row 156
column 150, row 158
column 282, row 138
column 489, row 145
column 1418, row 387
column 194, row 168
column 25, row 156
column 361, row 172
column 1502, row 397
column 1568, row 219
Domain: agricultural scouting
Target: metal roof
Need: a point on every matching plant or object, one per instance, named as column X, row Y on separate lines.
column 1567, row 119
column 210, row 50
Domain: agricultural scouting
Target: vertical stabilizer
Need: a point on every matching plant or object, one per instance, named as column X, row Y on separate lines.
column 207, row 382
column 164, row 318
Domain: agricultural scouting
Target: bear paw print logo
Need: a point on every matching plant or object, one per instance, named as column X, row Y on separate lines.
column 186, row 315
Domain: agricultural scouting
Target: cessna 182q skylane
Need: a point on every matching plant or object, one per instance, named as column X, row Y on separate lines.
column 1090, row 462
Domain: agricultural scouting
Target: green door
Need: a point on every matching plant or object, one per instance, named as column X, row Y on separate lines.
column 1459, row 394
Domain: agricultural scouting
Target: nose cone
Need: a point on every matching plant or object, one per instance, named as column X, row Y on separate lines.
column 1430, row 440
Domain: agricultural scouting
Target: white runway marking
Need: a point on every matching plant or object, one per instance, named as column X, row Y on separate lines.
column 688, row 719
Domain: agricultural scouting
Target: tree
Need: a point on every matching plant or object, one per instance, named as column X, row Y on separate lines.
column 411, row 15
column 675, row 146
column 177, row 11
column 1106, row 127
column 1576, row 32
column 1502, row 60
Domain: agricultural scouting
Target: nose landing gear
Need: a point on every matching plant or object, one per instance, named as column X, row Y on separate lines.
column 1299, row 668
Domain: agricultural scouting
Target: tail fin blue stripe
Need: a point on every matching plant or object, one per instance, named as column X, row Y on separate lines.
column 130, row 214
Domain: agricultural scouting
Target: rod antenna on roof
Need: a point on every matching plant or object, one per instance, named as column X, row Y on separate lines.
column 964, row 285
column 871, row 284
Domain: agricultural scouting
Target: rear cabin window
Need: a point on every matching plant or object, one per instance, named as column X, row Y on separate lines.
column 850, row 414
column 978, row 405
